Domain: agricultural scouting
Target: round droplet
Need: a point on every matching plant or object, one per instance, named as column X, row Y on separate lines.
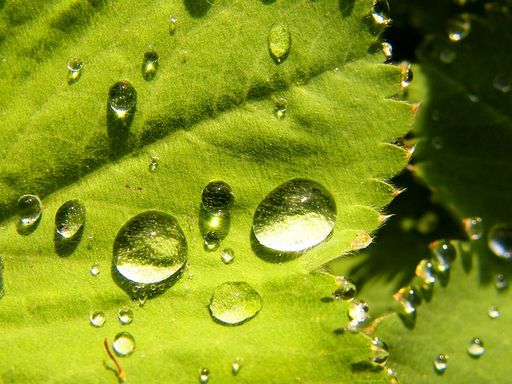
column 425, row 271
column 123, row 344
column 29, row 210
column 476, row 347
column 150, row 249
column 500, row 240
column 69, row 219
column 346, row 289
column 97, row 319
column 95, row 270
column 204, row 375
column 358, row 311
column 217, row 197
column 502, row 84
column 125, row 316
column 295, row 216
column 441, row 363
column 173, row 24
column 407, row 76
column 493, row 312
column 448, row 55
column 122, row 98
column 381, row 12
column 153, row 163
column 459, row 28
column 474, row 227
column 409, row 298
column 235, row 367
column 74, row 66
column 387, row 49
column 281, row 105
column 443, row 253
column 279, row 41
column 380, row 351
column 234, row 303
column 501, row 282
column 150, row 63
column 227, row 256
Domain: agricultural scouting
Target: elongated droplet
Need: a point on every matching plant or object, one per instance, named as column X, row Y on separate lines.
column 234, row 303
column 95, row 270
column 279, row 41
column 441, row 363
column 501, row 282
column 150, row 63
column 443, row 254
column 295, row 216
column 97, row 319
column 122, row 98
column 153, row 163
column 407, row 76
column 204, row 375
column 358, row 311
column 493, row 312
column 448, row 55
column 381, row 12
column 29, row 210
column 380, row 351
column 74, row 66
column 474, row 227
column 217, row 197
column 425, row 271
column 235, row 367
column 500, row 240
column 227, row 256
column 123, row 344
column 476, row 347
column 346, row 289
column 408, row 298
column 459, row 28
column 125, row 316
column 149, row 251
column 281, row 105
column 69, row 219
column 173, row 24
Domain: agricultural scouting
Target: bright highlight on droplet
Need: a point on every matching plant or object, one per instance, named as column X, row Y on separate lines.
column 122, row 98
column 69, row 219
column 234, row 303
column 279, row 41
column 123, row 344
column 29, row 210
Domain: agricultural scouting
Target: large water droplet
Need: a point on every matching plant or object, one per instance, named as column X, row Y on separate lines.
column 217, row 197
column 502, row 84
column 387, row 49
column 234, row 303
column 29, row 213
column 501, row 282
column 235, row 367
column 150, row 63
column 123, row 344
column 407, row 76
column 441, row 363
column 346, row 289
column 69, row 219
column 499, row 240
column 279, row 41
column 493, row 312
column 97, row 319
column 295, row 216
column 380, row 351
column 443, row 253
column 122, row 98
column 149, row 251
column 358, row 313
column 214, row 228
column 125, row 316
column 476, row 347
column 204, row 375
column 227, row 256
column 74, row 66
column 2, row 290
column 474, row 227
column 459, row 28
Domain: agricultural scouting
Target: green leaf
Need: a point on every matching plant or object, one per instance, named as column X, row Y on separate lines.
column 207, row 115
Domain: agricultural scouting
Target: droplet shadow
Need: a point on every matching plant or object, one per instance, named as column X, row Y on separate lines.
column 198, row 8
column 66, row 246
column 118, row 130
column 25, row 230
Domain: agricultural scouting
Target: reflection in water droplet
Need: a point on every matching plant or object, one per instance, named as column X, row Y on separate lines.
column 149, row 251
column 125, row 316
column 408, row 298
column 380, row 351
column 448, row 55
column 295, row 216
column 346, row 289
column 235, row 367
column 153, row 163
column 502, row 84
column 441, row 363
column 459, row 28
column 95, row 270
column 123, row 344
column 217, row 197
column 443, row 254
column 97, row 319
column 279, row 41
column 425, row 271
column 437, row 143
column 227, row 256
column 204, row 375
column 69, row 219
column 499, row 240
column 493, row 312
column 281, row 105
column 476, row 347
column 381, row 12
column 214, row 228
column 29, row 210
column 474, row 227
column 407, row 76
column 150, row 63
column 233, row 303
column 358, row 313
column 74, row 66
column 2, row 290
column 122, row 98
column 387, row 49
column 173, row 24
column 501, row 282
column 393, row 376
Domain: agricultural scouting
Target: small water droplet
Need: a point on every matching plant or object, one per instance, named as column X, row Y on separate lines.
column 493, row 312
column 69, row 219
column 501, row 282
column 149, row 249
column 235, row 367
column 381, row 12
column 393, row 376
column 387, row 49
column 74, row 66
column 29, row 211
column 295, row 216
column 217, row 197
column 95, row 269
column 459, row 28
column 281, row 105
column 448, row 55
column 214, row 228
column 234, row 303
column 425, row 271
column 204, row 375
column 279, row 41
column 441, row 363
column 407, row 75
column 142, row 300
column 443, row 254
column 153, row 163
column 97, row 319
column 125, row 316
column 474, row 98
column 409, row 298
column 380, row 351
column 173, row 24
column 476, row 347
column 474, row 227
column 123, row 344
column 227, row 256
column 499, row 240
column 346, row 289
column 358, row 311
column 150, row 63
column 122, row 98
column 502, row 84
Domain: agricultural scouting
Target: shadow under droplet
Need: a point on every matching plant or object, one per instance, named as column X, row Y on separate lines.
column 346, row 7
column 408, row 320
column 198, row 8
column 118, row 130
column 65, row 247
column 365, row 366
column 25, row 230
column 269, row 255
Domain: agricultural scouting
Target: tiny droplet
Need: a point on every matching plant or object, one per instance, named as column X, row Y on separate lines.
column 150, row 63
column 97, row 319
column 227, row 256
column 443, row 254
column 502, row 84
column 380, row 351
column 346, row 289
column 204, row 375
column 500, row 240
column 122, row 98
column 74, row 66
column 280, row 108
column 29, row 210
column 474, row 227
column 501, row 282
column 476, row 347
column 459, row 28
column 173, row 24
column 153, row 163
column 217, row 197
column 381, row 12
column 69, row 219
column 123, row 344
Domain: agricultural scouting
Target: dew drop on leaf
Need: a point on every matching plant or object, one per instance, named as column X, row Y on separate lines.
column 125, row 316
column 97, row 319
column 217, row 197
column 425, row 272
column 380, row 351
column 204, row 375
column 279, row 41
column 69, row 219
column 500, row 282
column 29, row 211
column 123, row 344
column 407, row 76
column 95, row 270
column 381, row 12
column 499, row 240
column 473, row 227
column 441, row 363
column 227, row 256
column 346, row 289
column 122, row 98
column 443, row 254
column 236, row 366
column 295, row 216
column 493, row 312
column 458, row 28
column 408, row 298
column 150, row 63
column 74, row 66
column 476, row 347
column 214, row 228
column 234, row 303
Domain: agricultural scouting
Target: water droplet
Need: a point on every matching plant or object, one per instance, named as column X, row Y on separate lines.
column 358, row 311
column 295, row 216
column 153, row 163
column 29, row 211
column 459, row 28
column 125, row 316
column 380, row 351
column 234, row 303
column 122, row 98
column 281, row 105
column 204, row 375
column 441, row 363
column 123, row 344
column 235, row 367
column 74, row 66
column 393, row 376
column 499, row 240
column 227, row 256
column 501, row 282
column 502, row 84
column 217, row 197
column 149, row 249
column 214, row 228
column 69, row 219
column 97, row 319
column 173, row 24
column 425, row 271
column 476, row 347
column 408, row 298
column 387, row 49
column 443, row 255
column 95, row 270
column 493, row 312
column 448, row 55
column 474, row 227
column 279, row 41
column 474, row 98
column 407, row 76
column 346, row 289
column 150, row 63
column 381, row 12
